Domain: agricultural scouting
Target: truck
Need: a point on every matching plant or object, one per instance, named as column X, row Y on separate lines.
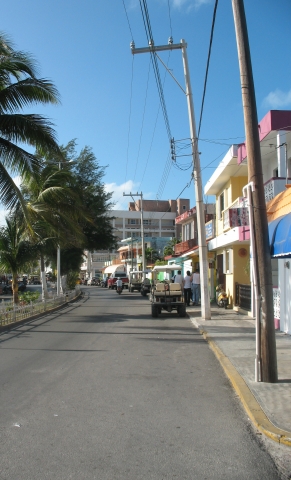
column 111, row 283
column 139, row 282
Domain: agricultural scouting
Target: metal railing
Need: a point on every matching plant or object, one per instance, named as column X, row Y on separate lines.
column 10, row 313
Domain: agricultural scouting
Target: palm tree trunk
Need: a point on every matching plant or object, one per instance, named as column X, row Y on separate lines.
column 15, row 288
column 43, row 278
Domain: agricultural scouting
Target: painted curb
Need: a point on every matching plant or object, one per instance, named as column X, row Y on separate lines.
column 251, row 405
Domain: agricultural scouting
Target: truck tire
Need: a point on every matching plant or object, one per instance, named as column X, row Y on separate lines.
column 182, row 311
column 155, row 311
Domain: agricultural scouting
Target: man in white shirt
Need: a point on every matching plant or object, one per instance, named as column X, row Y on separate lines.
column 179, row 279
column 196, row 287
column 187, row 288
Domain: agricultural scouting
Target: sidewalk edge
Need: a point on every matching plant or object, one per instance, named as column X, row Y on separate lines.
column 251, row 405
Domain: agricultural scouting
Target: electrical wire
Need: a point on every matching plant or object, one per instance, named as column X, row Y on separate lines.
column 129, row 119
column 127, row 20
column 148, row 30
column 169, row 10
column 207, row 67
column 144, row 109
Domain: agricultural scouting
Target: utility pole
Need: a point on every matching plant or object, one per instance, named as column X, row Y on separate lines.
column 141, row 227
column 255, row 176
column 203, row 255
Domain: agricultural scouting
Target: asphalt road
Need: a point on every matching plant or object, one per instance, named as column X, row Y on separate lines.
column 102, row 391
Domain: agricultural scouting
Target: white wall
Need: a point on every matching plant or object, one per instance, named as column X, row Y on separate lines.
column 285, row 295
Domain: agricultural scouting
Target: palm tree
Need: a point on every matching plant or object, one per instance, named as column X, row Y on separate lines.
column 19, row 88
column 53, row 211
column 15, row 251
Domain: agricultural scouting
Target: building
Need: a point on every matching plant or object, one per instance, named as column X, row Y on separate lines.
column 158, row 218
column 232, row 239
column 158, row 222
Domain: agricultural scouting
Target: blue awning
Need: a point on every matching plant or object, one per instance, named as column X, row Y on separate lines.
column 280, row 236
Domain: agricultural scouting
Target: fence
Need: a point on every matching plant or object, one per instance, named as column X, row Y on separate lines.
column 243, row 296
column 10, row 313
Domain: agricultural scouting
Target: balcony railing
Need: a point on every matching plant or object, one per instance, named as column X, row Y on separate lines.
column 235, row 217
column 184, row 246
column 274, row 186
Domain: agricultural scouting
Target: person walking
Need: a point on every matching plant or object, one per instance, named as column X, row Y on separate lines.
column 187, row 288
column 196, row 287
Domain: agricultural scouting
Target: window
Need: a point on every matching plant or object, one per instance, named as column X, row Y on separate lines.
column 184, row 207
column 221, row 205
column 228, row 261
column 146, row 222
column 132, row 221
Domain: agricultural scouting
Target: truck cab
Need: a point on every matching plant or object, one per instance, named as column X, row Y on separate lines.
column 111, row 284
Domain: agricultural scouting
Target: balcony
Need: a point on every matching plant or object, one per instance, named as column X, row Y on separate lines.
column 183, row 247
column 235, row 217
column 274, row 186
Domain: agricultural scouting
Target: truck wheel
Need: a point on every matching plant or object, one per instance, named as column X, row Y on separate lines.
column 182, row 311
column 143, row 293
column 155, row 311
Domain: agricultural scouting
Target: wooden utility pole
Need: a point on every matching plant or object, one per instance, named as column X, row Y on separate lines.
column 255, row 174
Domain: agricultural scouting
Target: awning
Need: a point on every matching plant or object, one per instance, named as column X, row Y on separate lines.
column 280, row 236
column 113, row 268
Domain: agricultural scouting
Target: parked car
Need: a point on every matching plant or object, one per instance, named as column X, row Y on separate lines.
column 7, row 289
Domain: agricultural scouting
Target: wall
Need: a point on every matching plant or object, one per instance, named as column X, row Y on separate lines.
column 285, row 295
column 237, row 184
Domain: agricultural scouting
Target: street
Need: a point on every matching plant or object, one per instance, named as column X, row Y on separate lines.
column 101, row 390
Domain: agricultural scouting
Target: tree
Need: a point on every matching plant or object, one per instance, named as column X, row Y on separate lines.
column 15, row 251
column 19, row 88
column 88, row 175
column 50, row 196
column 151, row 255
column 170, row 247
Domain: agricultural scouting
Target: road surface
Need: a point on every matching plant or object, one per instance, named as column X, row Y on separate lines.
column 101, row 390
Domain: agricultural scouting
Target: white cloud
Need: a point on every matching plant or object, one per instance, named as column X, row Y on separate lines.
column 277, row 99
column 190, row 4
column 121, row 202
column 3, row 214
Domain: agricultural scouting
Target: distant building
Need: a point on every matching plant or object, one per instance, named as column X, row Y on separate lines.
column 158, row 222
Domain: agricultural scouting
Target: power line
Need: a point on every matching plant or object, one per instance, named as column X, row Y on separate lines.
column 141, row 131
column 207, row 67
column 129, row 119
column 148, row 30
column 127, row 19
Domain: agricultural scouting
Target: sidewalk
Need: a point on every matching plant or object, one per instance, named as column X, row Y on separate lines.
column 231, row 335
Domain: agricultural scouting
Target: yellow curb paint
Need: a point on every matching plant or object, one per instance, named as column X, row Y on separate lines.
column 252, row 407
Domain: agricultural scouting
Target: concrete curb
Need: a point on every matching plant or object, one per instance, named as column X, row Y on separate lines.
column 251, row 405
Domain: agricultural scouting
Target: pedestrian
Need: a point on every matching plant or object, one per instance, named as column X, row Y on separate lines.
column 179, row 279
column 187, row 288
column 196, row 287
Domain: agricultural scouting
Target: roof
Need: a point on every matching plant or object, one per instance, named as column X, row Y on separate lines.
column 279, row 205
column 167, row 268
column 113, row 268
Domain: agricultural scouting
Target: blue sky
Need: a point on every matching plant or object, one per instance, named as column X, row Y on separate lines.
column 110, row 99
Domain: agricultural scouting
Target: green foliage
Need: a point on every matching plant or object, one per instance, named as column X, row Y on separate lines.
column 72, row 279
column 169, row 248
column 88, row 182
column 151, row 255
column 161, row 262
column 20, row 88
column 28, row 297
